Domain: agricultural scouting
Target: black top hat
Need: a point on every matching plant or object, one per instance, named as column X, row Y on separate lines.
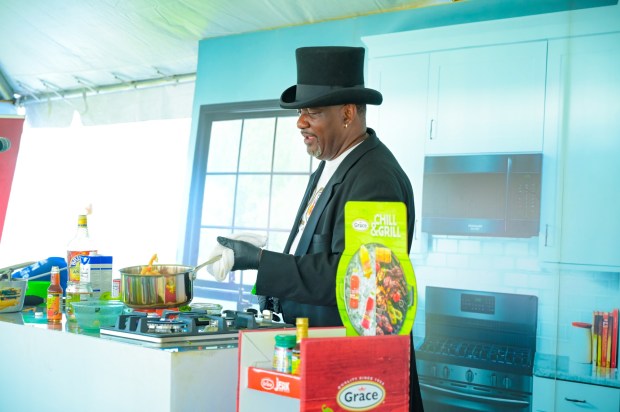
column 328, row 76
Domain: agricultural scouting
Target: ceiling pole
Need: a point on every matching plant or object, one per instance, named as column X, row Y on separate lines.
column 90, row 89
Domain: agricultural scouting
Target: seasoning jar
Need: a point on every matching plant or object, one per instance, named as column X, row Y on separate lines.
column 282, row 352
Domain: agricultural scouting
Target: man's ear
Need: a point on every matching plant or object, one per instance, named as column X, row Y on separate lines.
column 349, row 111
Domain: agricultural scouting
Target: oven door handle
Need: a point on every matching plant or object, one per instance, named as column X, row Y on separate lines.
column 478, row 397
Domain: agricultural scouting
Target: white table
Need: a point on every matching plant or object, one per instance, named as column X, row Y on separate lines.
column 57, row 370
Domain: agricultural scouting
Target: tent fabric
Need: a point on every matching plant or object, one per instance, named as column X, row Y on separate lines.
column 172, row 101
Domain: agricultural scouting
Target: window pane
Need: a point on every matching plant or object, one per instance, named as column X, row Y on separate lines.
column 257, row 145
column 315, row 163
column 277, row 240
column 252, row 205
column 287, row 192
column 208, row 241
column 290, row 151
column 218, row 200
column 224, row 146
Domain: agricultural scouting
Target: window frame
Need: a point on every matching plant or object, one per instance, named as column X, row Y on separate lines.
column 212, row 289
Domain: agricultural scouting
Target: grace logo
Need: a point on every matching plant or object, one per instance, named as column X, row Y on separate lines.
column 360, row 225
column 361, row 396
column 267, row 384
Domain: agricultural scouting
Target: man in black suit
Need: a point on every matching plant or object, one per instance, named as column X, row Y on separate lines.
column 355, row 166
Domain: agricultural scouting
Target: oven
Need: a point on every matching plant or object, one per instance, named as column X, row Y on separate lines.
column 478, row 351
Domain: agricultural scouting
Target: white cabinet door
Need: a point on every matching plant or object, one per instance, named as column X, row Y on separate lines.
column 399, row 120
column 543, row 395
column 487, row 99
column 580, row 218
column 562, row 396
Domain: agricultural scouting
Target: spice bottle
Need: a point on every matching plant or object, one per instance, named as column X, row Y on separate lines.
column 282, row 353
column 54, row 297
column 302, row 333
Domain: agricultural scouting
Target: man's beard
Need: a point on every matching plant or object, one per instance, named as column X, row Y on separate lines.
column 316, row 153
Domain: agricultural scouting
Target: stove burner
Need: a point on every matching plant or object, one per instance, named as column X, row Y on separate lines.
column 498, row 354
column 175, row 326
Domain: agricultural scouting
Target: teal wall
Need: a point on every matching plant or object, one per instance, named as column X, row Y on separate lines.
column 260, row 65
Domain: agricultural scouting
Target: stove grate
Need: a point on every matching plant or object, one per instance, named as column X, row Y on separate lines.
column 485, row 352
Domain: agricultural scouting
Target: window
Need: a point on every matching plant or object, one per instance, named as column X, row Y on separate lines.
column 250, row 171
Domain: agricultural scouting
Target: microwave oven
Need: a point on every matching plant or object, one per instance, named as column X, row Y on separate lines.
column 482, row 195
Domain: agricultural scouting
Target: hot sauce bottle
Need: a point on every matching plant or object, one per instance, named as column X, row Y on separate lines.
column 54, row 297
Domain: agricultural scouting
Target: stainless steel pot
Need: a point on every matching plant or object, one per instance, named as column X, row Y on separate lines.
column 171, row 288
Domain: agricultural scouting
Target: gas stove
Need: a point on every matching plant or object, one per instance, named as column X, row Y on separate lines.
column 478, row 352
column 177, row 329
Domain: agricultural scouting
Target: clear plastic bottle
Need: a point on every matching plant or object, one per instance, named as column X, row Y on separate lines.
column 78, row 289
column 76, row 292
column 81, row 244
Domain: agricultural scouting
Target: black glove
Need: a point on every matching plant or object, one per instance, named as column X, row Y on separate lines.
column 247, row 256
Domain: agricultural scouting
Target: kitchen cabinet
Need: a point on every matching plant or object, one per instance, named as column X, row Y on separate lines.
column 579, row 216
column 564, row 396
column 486, row 99
column 470, row 100
column 399, row 120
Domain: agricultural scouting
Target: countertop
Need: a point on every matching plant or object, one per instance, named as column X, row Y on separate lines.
column 104, row 374
column 27, row 318
column 560, row 367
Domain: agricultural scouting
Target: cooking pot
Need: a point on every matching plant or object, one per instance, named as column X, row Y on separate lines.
column 170, row 288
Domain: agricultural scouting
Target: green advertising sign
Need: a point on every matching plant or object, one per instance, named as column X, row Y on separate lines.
column 375, row 285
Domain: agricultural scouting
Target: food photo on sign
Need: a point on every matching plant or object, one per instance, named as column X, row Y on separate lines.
column 376, row 287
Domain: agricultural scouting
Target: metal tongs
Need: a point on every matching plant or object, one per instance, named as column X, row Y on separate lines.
column 7, row 272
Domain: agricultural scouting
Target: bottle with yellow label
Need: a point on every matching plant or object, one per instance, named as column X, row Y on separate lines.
column 302, row 333
column 82, row 244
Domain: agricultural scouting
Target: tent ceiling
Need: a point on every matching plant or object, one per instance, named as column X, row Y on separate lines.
column 54, row 46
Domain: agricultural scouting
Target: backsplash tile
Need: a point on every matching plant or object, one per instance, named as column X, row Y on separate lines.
column 512, row 266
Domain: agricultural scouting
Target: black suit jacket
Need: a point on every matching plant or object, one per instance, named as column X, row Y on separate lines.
column 305, row 282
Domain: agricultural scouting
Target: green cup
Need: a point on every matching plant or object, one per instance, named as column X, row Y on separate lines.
column 38, row 288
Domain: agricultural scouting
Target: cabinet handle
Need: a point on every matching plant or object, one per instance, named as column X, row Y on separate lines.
column 546, row 233
column 430, row 132
column 575, row 400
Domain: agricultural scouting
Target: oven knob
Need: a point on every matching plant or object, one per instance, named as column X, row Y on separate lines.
column 507, row 382
column 469, row 375
column 494, row 380
column 446, row 372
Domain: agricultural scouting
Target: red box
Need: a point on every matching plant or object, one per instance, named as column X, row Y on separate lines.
column 363, row 373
